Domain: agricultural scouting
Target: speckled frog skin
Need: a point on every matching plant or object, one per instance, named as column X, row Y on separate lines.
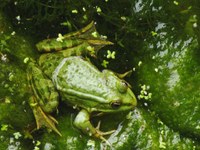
column 61, row 73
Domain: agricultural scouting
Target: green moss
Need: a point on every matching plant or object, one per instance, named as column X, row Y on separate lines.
column 162, row 49
column 171, row 68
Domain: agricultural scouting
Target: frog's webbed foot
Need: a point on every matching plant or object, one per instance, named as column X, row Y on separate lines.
column 43, row 119
column 82, row 121
column 100, row 134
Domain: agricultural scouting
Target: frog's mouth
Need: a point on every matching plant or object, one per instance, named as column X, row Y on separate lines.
column 127, row 102
column 114, row 106
column 110, row 109
column 94, row 103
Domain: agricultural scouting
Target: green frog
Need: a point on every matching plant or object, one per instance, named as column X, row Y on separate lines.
column 62, row 73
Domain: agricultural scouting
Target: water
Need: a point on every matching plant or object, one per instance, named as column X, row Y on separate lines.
column 163, row 35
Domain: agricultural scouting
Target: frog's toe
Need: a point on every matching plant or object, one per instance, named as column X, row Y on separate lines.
column 43, row 119
column 99, row 134
column 53, row 119
column 103, row 133
column 49, row 122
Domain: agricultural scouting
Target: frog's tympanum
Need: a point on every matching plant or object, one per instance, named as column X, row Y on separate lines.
column 61, row 73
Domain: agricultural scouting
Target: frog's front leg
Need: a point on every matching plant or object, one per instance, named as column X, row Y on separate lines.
column 44, row 99
column 82, row 121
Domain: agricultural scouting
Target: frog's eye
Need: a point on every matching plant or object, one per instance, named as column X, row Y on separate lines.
column 123, row 86
column 116, row 104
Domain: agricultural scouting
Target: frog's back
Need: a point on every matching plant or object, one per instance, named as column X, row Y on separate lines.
column 73, row 71
column 78, row 80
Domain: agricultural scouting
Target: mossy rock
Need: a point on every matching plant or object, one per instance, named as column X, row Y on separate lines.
column 171, row 68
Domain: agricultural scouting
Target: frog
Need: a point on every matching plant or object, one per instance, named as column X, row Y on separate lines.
column 64, row 73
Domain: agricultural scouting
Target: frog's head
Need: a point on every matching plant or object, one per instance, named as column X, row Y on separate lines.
column 119, row 96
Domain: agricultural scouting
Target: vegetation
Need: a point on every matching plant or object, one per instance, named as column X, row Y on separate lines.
column 161, row 51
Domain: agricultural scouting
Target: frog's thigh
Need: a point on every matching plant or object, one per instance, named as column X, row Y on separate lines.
column 82, row 121
column 43, row 89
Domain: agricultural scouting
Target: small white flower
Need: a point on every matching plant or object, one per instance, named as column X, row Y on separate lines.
column 123, row 18
column 18, row 18
column 98, row 9
column 156, row 69
column 195, row 25
column 26, row 60
column 84, row 9
column 139, row 63
column 74, row 11
column 60, row 38
column 17, row 135
column 94, row 34
column 13, row 33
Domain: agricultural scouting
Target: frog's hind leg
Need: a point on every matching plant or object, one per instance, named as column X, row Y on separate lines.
column 44, row 99
column 43, row 119
column 86, row 41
